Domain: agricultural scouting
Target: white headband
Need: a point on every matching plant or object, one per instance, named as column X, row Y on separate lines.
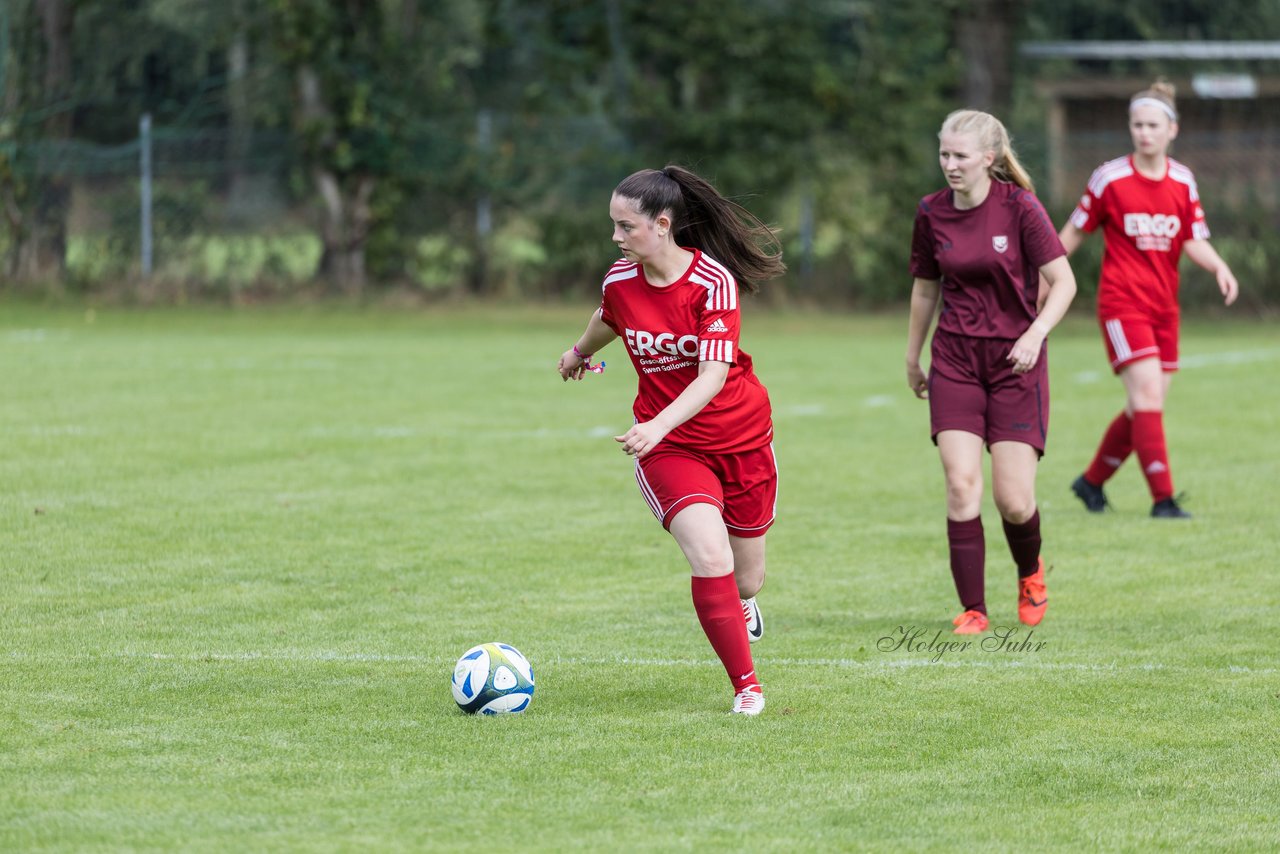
column 1154, row 102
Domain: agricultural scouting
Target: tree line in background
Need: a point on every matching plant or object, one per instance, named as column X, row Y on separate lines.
column 472, row 144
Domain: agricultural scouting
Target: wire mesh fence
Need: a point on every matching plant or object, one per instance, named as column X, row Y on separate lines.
column 519, row 200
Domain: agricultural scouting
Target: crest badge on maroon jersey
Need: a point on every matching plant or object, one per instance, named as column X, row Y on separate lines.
column 1000, row 242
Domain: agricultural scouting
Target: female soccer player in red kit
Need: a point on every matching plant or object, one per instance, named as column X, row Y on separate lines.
column 1149, row 210
column 702, row 438
column 982, row 245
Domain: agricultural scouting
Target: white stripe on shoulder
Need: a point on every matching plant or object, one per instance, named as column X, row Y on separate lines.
column 621, row 271
column 1180, row 173
column 1110, row 171
column 722, row 290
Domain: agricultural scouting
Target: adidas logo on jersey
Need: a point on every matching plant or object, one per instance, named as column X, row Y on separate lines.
column 717, row 325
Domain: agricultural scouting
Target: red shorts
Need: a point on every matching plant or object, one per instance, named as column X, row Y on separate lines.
column 744, row 486
column 1129, row 339
column 972, row 387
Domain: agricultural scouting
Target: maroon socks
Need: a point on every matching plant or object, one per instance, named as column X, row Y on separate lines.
column 968, row 560
column 1024, row 544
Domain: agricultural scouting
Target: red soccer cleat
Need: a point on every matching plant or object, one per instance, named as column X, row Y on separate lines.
column 1033, row 599
column 970, row 623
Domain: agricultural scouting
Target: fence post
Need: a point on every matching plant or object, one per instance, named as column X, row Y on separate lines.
column 484, row 143
column 144, row 147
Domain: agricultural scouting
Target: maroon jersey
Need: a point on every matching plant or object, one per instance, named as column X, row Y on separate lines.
column 988, row 259
column 668, row 331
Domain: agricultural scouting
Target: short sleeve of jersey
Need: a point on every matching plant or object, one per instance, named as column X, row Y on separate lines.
column 924, row 264
column 1088, row 213
column 619, row 271
column 1040, row 243
column 606, row 315
column 1194, row 226
column 720, row 323
column 1198, row 228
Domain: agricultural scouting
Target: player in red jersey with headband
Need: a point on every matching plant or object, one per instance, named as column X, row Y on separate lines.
column 1148, row 208
column 982, row 246
column 702, row 438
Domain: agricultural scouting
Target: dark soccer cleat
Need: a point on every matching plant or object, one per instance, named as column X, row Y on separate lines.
column 1095, row 501
column 755, row 623
column 1168, row 509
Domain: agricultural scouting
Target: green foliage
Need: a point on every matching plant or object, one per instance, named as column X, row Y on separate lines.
column 439, row 262
column 229, row 263
column 538, row 108
column 243, row 550
column 195, row 264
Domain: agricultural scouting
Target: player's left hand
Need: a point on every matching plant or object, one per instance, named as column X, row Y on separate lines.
column 1228, row 285
column 1026, row 351
column 641, row 438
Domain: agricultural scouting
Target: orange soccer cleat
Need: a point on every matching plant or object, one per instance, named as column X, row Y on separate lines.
column 970, row 623
column 1033, row 598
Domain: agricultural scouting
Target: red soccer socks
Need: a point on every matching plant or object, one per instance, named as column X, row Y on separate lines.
column 720, row 612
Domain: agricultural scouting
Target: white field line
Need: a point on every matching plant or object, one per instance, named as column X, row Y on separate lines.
column 1205, row 360
column 922, row 659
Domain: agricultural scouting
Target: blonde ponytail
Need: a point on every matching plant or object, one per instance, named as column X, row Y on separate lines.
column 992, row 136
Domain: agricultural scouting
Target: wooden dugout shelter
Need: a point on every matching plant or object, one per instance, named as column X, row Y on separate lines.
column 1229, row 130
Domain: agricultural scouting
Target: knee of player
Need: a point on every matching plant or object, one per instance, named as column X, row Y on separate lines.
column 1147, row 396
column 1016, row 509
column 709, row 562
column 964, row 488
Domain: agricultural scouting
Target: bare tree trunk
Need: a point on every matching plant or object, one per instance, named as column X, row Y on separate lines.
column 984, row 31
column 239, row 108
column 347, row 213
column 345, row 229
column 41, row 226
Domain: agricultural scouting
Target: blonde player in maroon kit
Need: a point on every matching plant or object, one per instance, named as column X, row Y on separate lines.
column 703, row 431
column 1148, row 208
column 981, row 246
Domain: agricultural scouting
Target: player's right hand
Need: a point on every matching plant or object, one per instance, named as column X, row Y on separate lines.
column 571, row 367
column 917, row 381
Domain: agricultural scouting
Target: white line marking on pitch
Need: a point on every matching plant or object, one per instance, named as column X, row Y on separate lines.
column 1205, row 360
column 1238, row 357
column 887, row 665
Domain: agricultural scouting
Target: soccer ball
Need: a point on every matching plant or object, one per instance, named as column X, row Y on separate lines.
column 493, row 678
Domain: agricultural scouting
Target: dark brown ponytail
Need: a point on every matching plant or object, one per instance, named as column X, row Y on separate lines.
column 706, row 220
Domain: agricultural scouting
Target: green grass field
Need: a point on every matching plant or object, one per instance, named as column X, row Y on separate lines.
column 242, row 551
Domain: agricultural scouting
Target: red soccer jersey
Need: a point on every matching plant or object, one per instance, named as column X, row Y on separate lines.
column 668, row 331
column 988, row 259
column 1144, row 224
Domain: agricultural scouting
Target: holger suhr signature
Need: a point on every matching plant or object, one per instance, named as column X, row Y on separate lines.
column 1003, row 639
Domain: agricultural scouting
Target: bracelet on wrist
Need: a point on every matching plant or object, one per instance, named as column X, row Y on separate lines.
column 586, row 357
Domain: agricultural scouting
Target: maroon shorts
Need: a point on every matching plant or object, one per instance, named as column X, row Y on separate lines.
column 973, row 388
column 744, row 486
column 1129, row 339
